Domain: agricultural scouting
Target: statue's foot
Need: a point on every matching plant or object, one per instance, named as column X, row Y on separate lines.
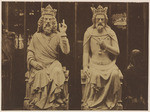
column 56, row 105
column 65, row 100
column 62, row 104
column 59, row 100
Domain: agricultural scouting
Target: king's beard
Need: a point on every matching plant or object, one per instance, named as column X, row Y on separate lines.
column 47, row 28
column 100, row 27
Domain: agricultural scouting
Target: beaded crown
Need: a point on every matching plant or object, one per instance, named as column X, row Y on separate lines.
column 99, row 10
column 48, row 11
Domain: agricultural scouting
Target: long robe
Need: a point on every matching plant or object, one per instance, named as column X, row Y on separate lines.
column 47, row 82
column 104, row 79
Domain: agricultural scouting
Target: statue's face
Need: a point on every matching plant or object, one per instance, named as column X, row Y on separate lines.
column 100, row 22
column 48, row 23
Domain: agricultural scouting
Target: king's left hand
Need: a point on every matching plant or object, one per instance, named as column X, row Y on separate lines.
column 62, row 28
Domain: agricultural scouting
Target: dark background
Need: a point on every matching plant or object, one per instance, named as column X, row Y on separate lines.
column 78, row 18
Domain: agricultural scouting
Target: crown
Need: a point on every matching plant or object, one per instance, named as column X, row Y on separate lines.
column 48, row 11
column 99, row 10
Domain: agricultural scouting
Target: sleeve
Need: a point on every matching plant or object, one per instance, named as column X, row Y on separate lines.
column 30, row 52
column 64, row 44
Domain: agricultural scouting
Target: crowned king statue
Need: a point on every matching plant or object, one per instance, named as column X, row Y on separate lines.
column 46, row 76
column 100, row 51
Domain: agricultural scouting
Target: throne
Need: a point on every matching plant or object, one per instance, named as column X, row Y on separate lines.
column 65, row 90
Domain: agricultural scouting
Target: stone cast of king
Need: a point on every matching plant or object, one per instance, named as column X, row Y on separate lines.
column 100, row 50
column 46, row 74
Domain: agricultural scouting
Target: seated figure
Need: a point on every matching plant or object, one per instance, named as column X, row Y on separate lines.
column 100, row 50
column 46, row 75
column 136, row 82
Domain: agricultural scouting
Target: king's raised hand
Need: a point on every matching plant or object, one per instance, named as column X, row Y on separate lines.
column 62, row 28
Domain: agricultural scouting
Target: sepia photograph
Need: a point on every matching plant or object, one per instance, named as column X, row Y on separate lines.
column 73, row 55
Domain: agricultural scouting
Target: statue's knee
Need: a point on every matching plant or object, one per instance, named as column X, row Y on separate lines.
column 58, row 69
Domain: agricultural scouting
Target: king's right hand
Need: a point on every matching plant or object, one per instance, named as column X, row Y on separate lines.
column 37, row 65
column 63, row 27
